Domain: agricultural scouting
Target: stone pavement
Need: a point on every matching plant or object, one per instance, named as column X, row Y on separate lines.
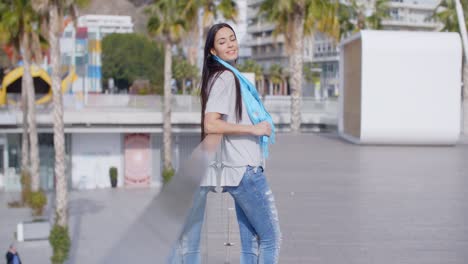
column 338, row 203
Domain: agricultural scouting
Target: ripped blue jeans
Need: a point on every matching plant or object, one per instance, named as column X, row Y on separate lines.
column 257, row 217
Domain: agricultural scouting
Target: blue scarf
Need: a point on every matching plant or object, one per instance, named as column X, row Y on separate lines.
column 253, row 104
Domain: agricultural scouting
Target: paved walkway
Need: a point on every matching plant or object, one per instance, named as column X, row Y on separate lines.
column 338, row 203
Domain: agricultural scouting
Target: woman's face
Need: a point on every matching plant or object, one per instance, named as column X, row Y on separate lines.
column 225, row 45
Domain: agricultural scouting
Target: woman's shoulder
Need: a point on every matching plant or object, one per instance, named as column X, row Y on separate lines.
column 227, row 77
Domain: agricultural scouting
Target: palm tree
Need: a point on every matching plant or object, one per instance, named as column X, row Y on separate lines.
column 184, row 71
column 167, row 22
column 462, row 29
column 379, row 12
column 276, row 77
column 19, row 22
column 453, row 14
column 346, row 14
column 446, row 13
column 296, row 19
column 361, row 15
column 252, row 66
column 311, row 73
column 54, row 11
column 10, row 37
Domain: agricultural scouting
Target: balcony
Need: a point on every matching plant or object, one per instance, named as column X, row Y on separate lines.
column 254, row 2
column 260, row 27
column 260, row 41
column 405, row 22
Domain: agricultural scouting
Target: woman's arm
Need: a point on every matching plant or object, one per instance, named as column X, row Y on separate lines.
column 215, row 125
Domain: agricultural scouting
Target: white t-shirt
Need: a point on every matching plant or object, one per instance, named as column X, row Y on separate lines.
column 237, row 151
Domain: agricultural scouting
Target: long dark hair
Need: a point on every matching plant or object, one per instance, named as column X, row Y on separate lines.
column 211, row 71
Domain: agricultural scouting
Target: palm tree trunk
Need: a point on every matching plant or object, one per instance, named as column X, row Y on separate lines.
column 193, row 41
column 183, row 85
column 61, row 190
column 462, row 26
column 280, row 89
column 465, row 98
column 262, row 86
column 25, row 139
column 167, row 106
column 270, row 87
column 34, row 151
column 296, row 62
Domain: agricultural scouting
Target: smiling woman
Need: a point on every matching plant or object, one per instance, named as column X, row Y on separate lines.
column 232, row 108
column 225, row 45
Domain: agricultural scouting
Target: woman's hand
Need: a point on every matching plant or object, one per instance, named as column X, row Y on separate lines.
column 262, row 129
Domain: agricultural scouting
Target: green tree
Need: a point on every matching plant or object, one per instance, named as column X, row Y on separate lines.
column 167, row 22
column 380, row 11
column 252, row 66
column 19, row 25
column 345, row 17
column 311, row 73
column 358, row 15
column 10, row 36
column 446, row 13
column 184, row 71
column 296, row 19
column 4, row 61
column 128, row 57
column 276, row 76
column 54, row 11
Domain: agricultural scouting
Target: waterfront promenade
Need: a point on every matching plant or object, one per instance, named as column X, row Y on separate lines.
column 338, row 203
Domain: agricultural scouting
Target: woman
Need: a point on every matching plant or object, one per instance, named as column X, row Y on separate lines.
column 232, row 107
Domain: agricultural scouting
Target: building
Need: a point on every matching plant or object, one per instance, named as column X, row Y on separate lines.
column 240, row 27
column 117, row 130
column 123, row 131
column 82, row 48
column 106, row 24
column 265, row 48
column 321, row 50
column 268, row 49
column 412, row 15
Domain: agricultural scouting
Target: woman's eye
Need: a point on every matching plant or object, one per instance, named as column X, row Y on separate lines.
column 221, row 43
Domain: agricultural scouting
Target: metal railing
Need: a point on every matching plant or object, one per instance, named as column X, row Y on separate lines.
column 180, row 103
column 115, row 103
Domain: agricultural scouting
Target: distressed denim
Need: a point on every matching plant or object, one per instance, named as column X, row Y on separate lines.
column 187, row 248
column 257, row 217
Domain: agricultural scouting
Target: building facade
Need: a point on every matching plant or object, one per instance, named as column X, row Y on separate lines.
column 123, row 131
column 82, row 48
column 268, row 50
column 322, row 50
column 409, row 15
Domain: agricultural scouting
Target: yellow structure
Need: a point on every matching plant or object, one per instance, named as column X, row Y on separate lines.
column 42, row 84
